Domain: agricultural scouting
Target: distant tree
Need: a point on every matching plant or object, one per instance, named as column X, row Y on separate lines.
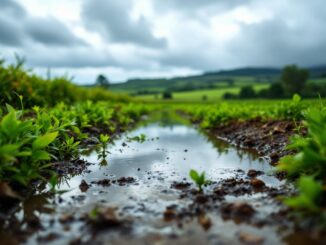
column 167, row 95
column 102, row 81
column 294, row 78
column 204, row 97
column 247, row 92
column 263, row 93
column 276, row 90
column 229, row 95
column 313, row 90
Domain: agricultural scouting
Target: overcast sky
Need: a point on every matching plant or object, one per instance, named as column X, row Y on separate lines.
column 151, row 38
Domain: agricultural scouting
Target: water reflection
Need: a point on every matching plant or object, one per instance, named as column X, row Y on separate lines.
column 170, row 151
column 173, row 149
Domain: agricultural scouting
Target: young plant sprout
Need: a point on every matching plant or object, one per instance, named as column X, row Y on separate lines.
column 104, row 139
column 199, row 179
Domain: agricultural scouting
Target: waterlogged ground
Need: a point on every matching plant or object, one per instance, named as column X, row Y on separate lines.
column 142, row 194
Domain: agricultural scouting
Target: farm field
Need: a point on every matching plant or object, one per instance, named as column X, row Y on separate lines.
column 195, row 82
column 212, row 95
column 162, row 122
column 120, row 164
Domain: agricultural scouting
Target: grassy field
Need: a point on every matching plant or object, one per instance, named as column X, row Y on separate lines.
column 212, row 95
column 179, row 84
column 317, row 80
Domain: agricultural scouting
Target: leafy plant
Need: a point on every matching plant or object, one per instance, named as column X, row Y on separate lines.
column 310, row 159
column 104, row 139
column 24, row 150
column 69, row 148
column 311, row 150
column 199, row 179
column 310, row 197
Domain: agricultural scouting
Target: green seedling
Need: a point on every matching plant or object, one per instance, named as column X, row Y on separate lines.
column 104, row 139
column 69, row 148
column 93, row 213
column 199, row 179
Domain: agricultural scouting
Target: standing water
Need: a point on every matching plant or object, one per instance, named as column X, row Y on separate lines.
column 149, row 197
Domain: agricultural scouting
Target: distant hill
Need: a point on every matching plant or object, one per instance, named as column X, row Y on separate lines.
column 207, row 80
column 252, row 72
column 318, row 71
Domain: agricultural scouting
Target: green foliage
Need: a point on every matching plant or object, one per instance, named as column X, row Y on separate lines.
column 294, row 78
column 311, row 150
column 104, row 142
column 104, row 139
column 102, row 81
column 209, row 116
column 310, row 197
column 16, row 83
column 43, row 141
column 310, row 159
column 24, row 149
column 53, row 182
column 292, row 110
column 69, row 148
column 247, row 92
column 93, row 214
column 167, row 95
column 199, row 179
column 31, row 140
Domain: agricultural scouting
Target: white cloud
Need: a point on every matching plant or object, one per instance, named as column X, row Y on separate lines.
column 146, row 38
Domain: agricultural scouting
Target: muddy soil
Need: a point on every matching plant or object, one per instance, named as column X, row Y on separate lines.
column 268, row 138
column 142, row 193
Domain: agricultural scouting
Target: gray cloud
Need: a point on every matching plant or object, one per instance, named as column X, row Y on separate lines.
column 287, row 38
column 181, row 5
column 10, row 33
column 197, row 59
column 111, row 19
column 72, row 58
column 17, row 28
column 294, row 33
column 12, row 7
column 50, row 31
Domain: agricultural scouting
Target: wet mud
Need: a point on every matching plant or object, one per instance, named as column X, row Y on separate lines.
column 142, row 194
column 268, row 138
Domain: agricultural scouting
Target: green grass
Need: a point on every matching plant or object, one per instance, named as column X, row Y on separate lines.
column 317, row 81
column 175, row 84
column 212, row 95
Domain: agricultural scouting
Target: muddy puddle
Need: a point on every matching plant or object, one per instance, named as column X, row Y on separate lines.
column 142, row 194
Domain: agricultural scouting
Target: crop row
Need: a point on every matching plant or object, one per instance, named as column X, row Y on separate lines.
column 31, row 140
column 307, row 166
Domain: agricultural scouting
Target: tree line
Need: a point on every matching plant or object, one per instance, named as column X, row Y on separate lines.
column 293, row 80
